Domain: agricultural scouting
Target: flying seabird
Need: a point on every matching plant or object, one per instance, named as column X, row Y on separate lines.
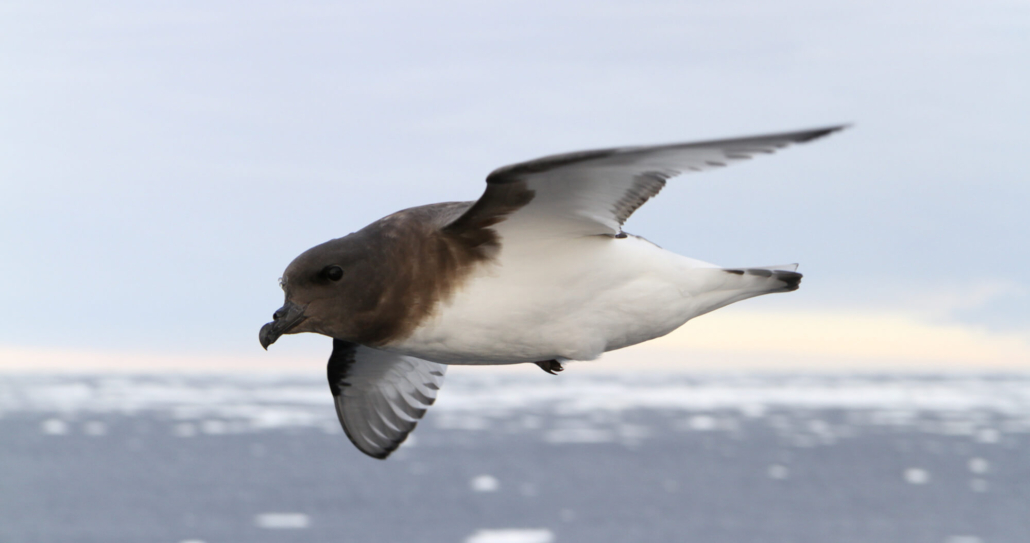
column 538, row 270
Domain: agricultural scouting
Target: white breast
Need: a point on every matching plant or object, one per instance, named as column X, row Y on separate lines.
column 567, row 299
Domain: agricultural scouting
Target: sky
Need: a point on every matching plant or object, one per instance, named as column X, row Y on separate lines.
column 162, row 162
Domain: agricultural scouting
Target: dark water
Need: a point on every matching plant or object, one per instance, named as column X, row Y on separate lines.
column 521, row 460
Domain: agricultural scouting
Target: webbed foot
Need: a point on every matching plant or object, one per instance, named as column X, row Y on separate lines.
column 550, row 366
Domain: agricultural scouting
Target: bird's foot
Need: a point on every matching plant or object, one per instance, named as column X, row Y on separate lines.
column 550, row 366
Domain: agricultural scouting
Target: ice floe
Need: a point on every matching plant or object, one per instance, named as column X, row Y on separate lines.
column 585, row 408
column 282, row 521
column 512, row 535
column 54, row 427
column 917, row 476
column 979, row 465
column 484, row 483
column 777, row 471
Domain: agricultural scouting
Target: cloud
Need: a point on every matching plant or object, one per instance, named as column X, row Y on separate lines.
column 833, row 340
column 954, row 299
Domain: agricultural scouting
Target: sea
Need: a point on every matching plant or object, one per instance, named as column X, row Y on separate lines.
column 521, row 458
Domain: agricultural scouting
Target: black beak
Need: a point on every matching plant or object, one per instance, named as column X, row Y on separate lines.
column 283, row 320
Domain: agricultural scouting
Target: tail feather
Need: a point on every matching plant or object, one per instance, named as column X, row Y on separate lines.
column 781, row 267
column 785, row 274
column 736, row 284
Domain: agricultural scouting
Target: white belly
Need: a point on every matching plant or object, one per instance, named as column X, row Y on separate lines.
column 567, row 299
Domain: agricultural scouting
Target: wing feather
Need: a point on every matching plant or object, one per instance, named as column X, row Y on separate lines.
column 380, row 396
column 594, row 192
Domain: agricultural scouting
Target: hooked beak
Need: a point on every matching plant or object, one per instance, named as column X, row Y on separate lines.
column 283, row 320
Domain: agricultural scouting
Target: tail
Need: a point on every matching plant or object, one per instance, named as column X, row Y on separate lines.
column 723, row 286
column 781, row 278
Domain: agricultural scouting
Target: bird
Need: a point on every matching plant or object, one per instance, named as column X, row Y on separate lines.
column 537, row 270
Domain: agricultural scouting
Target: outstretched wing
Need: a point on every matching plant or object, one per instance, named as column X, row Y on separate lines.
column 380, row 396
column 594, row 192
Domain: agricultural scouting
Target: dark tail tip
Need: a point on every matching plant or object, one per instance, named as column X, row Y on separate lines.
column 792, row 279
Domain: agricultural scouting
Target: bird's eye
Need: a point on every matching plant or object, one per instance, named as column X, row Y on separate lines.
column 332, row 273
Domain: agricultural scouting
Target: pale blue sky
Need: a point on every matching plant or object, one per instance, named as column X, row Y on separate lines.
column 162, row 162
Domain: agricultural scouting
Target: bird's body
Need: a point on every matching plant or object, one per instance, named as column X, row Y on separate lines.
column 572, row 299
column 537, row 270
column 569, row 299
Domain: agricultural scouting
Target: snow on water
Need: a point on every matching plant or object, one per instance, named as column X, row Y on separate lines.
column 742, row 458
column 988, row 435
column 589, row 407
column 963, row 539
column 777, row 471
column 917, row 476
column 54, row 427
column 511, row 536
column 282, row 521
column 752, row 395
column 484, row 483
column 979, row 465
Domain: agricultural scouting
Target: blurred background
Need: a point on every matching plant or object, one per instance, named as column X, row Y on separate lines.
column 161, row 164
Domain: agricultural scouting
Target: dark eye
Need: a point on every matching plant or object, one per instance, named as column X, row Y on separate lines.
column 332, row 273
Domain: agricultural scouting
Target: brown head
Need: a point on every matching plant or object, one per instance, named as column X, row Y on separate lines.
column 376, row 285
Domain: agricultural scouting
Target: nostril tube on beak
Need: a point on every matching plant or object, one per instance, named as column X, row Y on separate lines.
column 285, row 319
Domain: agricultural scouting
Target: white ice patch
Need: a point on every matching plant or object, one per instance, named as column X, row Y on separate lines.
column 988, row 435
column 979, row 465
column 985, row 408
column 597, row 393
column 409, row 442
column 963, row 539
column 777, row 471
column 54, row 427
column 916, row 476
column 282, row 521
column 512, row 535
column 94, row 428
column 213, row 427
column 701, row 423
column 484, row 483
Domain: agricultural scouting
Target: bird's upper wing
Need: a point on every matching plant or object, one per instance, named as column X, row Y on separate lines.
column 594, row 192
column 380, row 396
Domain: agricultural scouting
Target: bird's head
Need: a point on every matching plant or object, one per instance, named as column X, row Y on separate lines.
column 330, row 289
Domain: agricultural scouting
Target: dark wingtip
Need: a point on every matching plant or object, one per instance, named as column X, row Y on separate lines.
column 383, row 455
column 816, row 133
column 384, row 452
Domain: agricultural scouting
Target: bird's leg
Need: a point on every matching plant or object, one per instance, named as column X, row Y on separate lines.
column 550, row 366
